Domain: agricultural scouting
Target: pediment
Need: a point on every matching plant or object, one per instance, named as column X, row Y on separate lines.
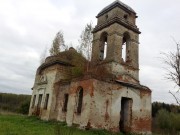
column 42, row 79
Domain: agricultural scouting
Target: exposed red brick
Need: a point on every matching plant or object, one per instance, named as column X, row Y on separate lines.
column 142, row 124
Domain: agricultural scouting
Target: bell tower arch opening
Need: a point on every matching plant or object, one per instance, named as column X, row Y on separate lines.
column 103, row 46
column 125, row 47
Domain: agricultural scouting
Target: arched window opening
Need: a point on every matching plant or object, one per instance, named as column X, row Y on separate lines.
column 125, row 46
column 103, row 46
column 125, row 16
column 80, row 100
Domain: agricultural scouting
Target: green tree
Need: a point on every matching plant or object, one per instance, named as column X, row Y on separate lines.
column 24, row 108
column 58, row 44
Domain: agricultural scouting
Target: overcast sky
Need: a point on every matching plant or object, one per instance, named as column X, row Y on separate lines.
column 27, row 27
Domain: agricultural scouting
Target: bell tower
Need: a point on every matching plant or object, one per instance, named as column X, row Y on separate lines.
column 116, row 41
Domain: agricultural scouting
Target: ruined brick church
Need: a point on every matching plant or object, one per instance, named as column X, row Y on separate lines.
column 107, row 94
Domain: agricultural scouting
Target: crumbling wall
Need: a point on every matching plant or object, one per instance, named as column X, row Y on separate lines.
column 101, row 105
column 52, row 75
column 72, row 115
column 43, row 88
column 143, row 122
column 106, row 107
column 114, row 50
column 63, row 89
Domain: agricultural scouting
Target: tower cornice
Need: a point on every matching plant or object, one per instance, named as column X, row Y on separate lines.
column 120, row 21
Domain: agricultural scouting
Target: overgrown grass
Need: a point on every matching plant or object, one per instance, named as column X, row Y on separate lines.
column 168, row 122
column 14, row 124
column 64, row 130
column 24, row 125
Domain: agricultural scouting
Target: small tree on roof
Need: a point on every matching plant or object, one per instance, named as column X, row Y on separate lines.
column 85, row 41
column 58, row 44
column 85, row 47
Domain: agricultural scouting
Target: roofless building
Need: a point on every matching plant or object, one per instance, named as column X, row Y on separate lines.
column 108, row 96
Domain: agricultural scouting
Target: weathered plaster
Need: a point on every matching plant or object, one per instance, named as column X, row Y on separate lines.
column 112, row 96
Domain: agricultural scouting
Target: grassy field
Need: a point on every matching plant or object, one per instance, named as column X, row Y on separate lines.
column 24, row 125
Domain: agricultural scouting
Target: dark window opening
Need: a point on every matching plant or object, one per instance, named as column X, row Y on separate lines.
column 66, row 96
column 80, row 100
column 106, row 16
column 33, row 102
column 46, row 101
column 125, row 16
column 39, row 101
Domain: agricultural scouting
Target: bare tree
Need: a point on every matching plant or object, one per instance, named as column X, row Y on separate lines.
column 43, row 55
column 58, row 44
column 172, row 62
column 85, row 41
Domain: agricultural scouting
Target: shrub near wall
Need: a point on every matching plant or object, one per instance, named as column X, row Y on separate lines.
column 168, row 122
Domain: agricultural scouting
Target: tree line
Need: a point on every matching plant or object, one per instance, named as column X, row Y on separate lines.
column 157, row 106
column 165, row 118
column 15, row 103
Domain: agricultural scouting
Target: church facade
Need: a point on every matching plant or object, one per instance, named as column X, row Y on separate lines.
column 107, row 96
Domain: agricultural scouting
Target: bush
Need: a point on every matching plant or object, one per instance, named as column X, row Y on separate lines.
column 168, row 122
column 176, row 122
column 24, row 109
column 77, row 71
column 163, row 119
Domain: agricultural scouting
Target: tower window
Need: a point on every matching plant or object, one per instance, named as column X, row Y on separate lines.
column 103, row 46
column 125, row 16
column 80, row 100
column 105, row 50
column 125, row 46
column 106, row 17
